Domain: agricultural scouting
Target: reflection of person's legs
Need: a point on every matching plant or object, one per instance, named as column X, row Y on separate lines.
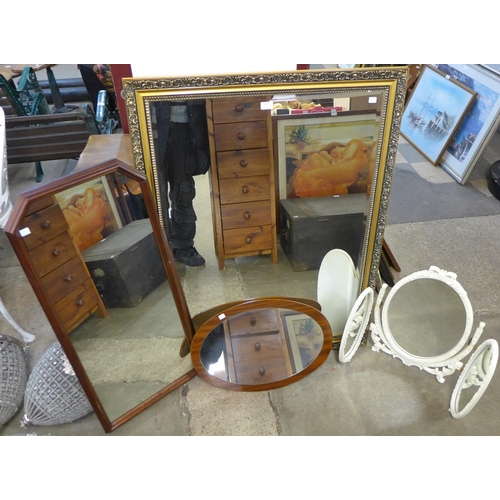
column 182, row 222
column 182, row 219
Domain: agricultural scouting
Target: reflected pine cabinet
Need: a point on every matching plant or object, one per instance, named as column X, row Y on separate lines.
column 242, row 178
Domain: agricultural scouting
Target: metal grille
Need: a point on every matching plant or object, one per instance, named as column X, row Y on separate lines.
column 13, row 376
column 53, row 393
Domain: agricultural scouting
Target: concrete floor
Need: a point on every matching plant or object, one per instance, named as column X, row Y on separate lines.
column 374, row 395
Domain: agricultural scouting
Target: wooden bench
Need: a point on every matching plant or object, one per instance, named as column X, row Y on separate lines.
column 49, row 137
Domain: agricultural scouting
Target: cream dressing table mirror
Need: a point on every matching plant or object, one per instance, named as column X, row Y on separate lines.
column 426, row 321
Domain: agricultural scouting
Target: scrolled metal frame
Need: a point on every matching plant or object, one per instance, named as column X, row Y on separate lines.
column 138, row 92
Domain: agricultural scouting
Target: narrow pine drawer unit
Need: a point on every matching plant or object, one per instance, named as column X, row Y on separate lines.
column 63, row 276
column 242, row 178
column 258, row 353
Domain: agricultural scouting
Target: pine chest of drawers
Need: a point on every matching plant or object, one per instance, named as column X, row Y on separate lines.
column 256, row 349
column 62, row 277
column 242, row 178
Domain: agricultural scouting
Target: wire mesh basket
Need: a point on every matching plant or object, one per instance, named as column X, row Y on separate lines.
column 53, row 393
column 13, row 377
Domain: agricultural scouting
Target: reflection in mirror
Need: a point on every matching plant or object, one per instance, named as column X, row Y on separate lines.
column 255, row 346
column 426, row 321
column 93, row 249
column 426, row 318
column 359, row 107
column 133, row 352
column 474, row 379
column 356, row 325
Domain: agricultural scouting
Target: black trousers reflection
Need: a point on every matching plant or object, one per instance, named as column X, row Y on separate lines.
column 181, row 222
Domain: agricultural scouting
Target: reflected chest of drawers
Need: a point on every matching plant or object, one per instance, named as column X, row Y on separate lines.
column 59, row 274
column 242, row 178
column 256, row 348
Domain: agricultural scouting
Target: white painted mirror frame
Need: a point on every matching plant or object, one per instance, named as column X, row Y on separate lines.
column 472, row 376
column 439, row 366
column 356, row 324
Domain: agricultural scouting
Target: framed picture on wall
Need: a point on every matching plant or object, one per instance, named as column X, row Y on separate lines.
column 434, row 112
column 326, row 155
column 480, row 122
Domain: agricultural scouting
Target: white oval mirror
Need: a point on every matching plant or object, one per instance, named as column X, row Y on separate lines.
column 474, row 379
column 356, row 325
column 338, row 284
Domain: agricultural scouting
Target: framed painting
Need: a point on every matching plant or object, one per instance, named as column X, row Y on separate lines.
column 90, row 211
column 326, row 155
column 434, row 112
column 304, row 338
column 480, row 122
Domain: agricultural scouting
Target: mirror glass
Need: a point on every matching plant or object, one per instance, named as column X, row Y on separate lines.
column 127, row 352
column 426, row 317
column 133, row 352
column 345, row 142
column 426, row 321
column 474, row 379
column 254, row 346
column 356, row 110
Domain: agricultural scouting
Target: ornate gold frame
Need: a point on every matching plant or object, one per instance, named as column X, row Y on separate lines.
column 391, row 81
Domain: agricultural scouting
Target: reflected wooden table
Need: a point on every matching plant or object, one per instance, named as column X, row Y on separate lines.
column 101, row 148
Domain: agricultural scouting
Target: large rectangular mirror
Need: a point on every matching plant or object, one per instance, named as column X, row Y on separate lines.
column 364, row 104
column 92, row 247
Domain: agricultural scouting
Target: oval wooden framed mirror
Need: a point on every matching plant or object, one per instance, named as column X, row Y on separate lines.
column 261, row 344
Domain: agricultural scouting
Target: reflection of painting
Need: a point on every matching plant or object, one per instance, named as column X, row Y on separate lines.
column 305, row 338
column 480, row 122
column 90, row 212
column 435, row 110
column 326, row 156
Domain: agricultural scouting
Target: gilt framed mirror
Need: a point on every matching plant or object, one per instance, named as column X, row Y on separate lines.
column 378, row 94
column 93, row 249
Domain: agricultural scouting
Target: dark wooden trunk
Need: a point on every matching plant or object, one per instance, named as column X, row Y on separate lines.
column 126, row 266
column 311, row 227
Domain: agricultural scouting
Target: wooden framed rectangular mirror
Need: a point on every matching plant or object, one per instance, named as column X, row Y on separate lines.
column 93, row 249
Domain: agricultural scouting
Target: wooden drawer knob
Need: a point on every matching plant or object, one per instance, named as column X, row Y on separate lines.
column 241, row 136
column 68, row 278
column 55, row 252
column 248, row 239
column 46, row 224
column 239, row 108
column 253, row 321
column 245, row 189
column 257, row 346
column 262, row 370
column 244, row 163
column 80, row 302
column 247, row 215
